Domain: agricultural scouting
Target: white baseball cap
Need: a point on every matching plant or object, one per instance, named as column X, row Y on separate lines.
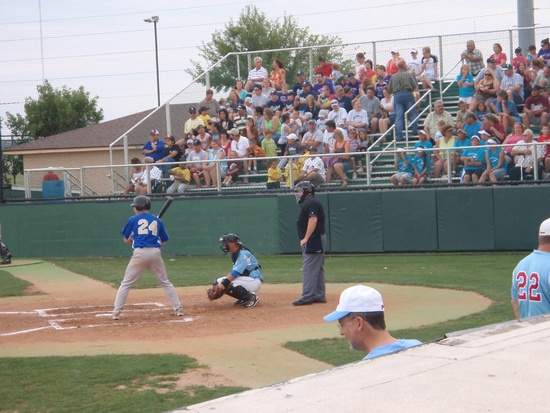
column 358, row 299
column 544, row 229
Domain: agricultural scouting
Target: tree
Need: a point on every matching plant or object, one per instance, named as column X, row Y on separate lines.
column 55, row 111
column 254, row 31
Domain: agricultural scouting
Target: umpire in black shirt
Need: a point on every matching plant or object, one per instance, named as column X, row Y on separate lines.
column 311, row 231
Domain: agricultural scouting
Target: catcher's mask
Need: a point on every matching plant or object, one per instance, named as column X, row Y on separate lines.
column 304, row 189
column 142, row 203
column 224, row 239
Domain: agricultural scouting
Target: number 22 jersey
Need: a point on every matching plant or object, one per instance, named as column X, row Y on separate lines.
column 530, row 284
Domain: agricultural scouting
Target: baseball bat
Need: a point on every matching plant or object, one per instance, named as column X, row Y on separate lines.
column 165, row 206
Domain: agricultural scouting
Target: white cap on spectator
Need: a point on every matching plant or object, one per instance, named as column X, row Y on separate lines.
column 292, row 136
column 358, row 299
column 544, row 229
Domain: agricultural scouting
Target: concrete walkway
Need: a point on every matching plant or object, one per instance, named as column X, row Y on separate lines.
column 499, row 368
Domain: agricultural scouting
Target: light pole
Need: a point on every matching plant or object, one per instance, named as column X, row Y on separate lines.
column 155, row 19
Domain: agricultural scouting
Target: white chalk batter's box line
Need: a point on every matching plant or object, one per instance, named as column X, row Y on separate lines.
column 56, row 324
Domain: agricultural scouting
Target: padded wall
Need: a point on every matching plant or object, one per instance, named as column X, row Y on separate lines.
column 465, row 219
column 356, row 222
column 409, row 220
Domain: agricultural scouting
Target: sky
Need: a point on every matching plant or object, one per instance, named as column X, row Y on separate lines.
column 106, row 47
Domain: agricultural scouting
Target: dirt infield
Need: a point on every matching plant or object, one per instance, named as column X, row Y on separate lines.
column 71, row 316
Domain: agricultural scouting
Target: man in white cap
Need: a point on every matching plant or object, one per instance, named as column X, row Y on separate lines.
column 530, row 281
column 360, row 316
column 337, row 113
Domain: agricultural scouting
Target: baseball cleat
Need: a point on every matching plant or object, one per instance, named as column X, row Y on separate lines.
column 299, row 302
column 115, row 315
column 239, row 302
column 251, row 303
column 179, row 312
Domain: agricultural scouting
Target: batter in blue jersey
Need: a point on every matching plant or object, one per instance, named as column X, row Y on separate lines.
column 245, row 279
column 530, row 282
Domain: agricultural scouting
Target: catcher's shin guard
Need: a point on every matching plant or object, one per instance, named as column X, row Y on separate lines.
column 238, row 292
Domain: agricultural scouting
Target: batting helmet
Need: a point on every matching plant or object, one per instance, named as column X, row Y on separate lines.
column 224, row 239
column 142, row 203
column 307, row 189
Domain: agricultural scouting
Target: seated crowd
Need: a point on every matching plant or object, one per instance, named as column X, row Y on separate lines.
column 340, row 113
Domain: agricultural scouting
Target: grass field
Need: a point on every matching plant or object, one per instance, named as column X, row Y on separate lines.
column 11, row 286
column 93, row 383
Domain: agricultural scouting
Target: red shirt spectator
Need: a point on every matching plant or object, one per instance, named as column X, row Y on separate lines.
column 50, row 176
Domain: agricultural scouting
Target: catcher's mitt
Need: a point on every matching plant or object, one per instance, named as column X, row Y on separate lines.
column 213, row 293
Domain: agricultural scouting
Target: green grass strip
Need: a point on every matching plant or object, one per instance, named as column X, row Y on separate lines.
column 11, row 286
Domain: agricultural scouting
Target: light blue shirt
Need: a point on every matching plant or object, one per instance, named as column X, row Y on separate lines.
column 392, row 348
column 246, row 261
column 530, row 284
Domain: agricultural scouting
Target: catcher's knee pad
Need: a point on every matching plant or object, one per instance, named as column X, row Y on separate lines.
column 238, row 292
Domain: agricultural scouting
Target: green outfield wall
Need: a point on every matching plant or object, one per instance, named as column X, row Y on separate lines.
column 446, row 219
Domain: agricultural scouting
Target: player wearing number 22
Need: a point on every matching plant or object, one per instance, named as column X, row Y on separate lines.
column 531, row 279
column 146, row 233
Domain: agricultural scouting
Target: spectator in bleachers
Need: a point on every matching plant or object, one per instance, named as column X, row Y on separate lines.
column 328, row 136
column 269, row 146
column 239, row 120
column 496, row 165
column 519, row 58
column 254, row 151
column 380, row 84
column 423, row 141
column 153, row 147
column 544, row 52
column 215, row 129
column 524, row 73
column 370, row 73
column 275, row 103
column 274, row 175
column 182, row 178
column 382, row 72
column 284, row 94
column 421, row 166
column 257, row 74
column 325, row 98
column 267, row 88
column 473, row 58
column 359, row 60
column 250, row 131
column 441, row 155
column 203, row 137
column 545, row 137
column 353, row 84
column 439, row 113
column 312, row 107
column 335, row 75
column 357, row 117
column 322, row 120
column 324, row 67
column 225, row 122
column 391, row 66
column 191, row 123
column 138, row 179
column 172, row 153
column 498, row 55
column 298, row 86
column 278, row 74
column 286, row 129
column 486, row 89
column 535, row 111
column 371, row 104
column 271, row 122
column 259, row 122
column 343, row 100
column 498, row 73
column 471, row 125
column 481, row 111
column 320, row 82
column 506, row 110
column 543, row 80
column 415, row 65
column 402, row 85
column 338, row 164
column 239, row 88
column 474, row 161
column 258, row 97
column 534, row 69
column 337, row 113
column 461, row 141
column 210, row 104
column 291, row 148
column 465, row 83
column 364, row 142
column 225, row 142
column 429, row 68
column 152, row 171
column 526, row 158
column 50, row 175
column 461, row 114
column 531, row 54
column 313, row 137
column 364, row 85
column 512, row 83
column 313, row 169
column 492, row 124
column 197, row 157
column 307, row 90
column 249, row 105
column 403, row 164
column 205, row 117
column 234, row 101
column 516, row 136
column 234, row 169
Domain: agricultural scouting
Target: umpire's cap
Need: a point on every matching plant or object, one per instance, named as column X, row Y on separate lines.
column 142, row 203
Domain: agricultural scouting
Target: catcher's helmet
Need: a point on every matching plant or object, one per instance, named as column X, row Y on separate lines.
column 142, row 203
column 307, row 189
column 224, row 239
